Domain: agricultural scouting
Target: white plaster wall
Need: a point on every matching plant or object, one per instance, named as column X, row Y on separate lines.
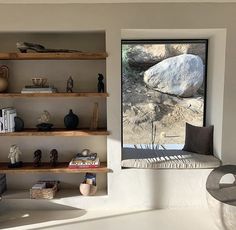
column 145, row 188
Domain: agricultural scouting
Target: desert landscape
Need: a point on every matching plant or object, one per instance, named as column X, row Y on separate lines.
column 162, row 89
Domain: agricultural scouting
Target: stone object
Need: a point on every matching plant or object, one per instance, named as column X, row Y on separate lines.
column 181, row 75
column 100, row 83
column 4, row 75
column 69, row 85
column 3, row 183
column 221, row 198
column 53, row 158
column 19, row 124
column 44, row 121
column 37, row 158
column 71, row 120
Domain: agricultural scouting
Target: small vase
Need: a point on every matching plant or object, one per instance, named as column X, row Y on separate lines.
column 71, row 120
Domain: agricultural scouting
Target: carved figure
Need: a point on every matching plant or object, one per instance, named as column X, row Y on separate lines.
column 53, row 158
column 44, row 120
column 69, row 85
column 100, row 83
column 37, row 158
column 14, row 156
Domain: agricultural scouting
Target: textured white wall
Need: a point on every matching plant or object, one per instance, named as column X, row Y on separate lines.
column 144, row 188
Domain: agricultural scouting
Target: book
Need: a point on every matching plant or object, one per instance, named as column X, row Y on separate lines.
column 39, row 90
column 7, row 122
column 39, row 185
column 84, row 163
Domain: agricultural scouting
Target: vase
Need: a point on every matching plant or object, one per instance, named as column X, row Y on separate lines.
column 71, row 120
column 4, row 75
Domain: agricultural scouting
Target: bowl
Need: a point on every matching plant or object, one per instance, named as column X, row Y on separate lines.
column 39, row 81
column 87, row 189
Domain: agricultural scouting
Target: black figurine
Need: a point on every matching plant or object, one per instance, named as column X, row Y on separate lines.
column 69, row 85
column 37, row 158
column 100, row 83
column 53, row 158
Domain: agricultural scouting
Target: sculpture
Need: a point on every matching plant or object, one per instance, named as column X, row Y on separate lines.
column 53, row 158
column 14, row 156
column 37, row 158
column 69, row 85
column 100, row 83
column 44, row 121
column 25, row 46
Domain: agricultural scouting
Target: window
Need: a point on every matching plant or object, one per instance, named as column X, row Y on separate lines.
column 163, row 87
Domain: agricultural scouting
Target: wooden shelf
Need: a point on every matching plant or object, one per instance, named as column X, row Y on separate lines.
column 66, row 95
column 54, row 56
column 46, row 168
column 59, row 133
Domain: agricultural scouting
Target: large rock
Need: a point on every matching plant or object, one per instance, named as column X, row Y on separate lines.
column 181, row 75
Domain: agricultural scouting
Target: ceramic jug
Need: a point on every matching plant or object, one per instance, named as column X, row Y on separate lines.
column 4, row 75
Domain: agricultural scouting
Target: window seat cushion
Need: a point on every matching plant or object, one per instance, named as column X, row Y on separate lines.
column 167, row 159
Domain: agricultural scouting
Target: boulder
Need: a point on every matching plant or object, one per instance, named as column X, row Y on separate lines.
column 181, row 75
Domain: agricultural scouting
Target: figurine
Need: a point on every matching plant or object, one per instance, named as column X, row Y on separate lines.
column 37, row 158
column 14, row 156
column 44, row 120
column 53, row 158
column 69, row 85
column 100, row 83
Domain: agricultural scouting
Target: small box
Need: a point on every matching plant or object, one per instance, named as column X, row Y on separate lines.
column 48, row 192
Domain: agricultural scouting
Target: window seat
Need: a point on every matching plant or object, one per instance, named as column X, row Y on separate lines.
column 166, row 159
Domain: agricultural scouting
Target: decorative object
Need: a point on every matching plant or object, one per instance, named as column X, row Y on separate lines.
column 25, row 46
column 53, row 158
column 47, row 190
column 221, row 197
column 4, row 75
column 71, row 120
column 19, row 124
column 3, row 183
column 44, row 120
column 14, row 156
column 100, row 83
column 69, row 85
column 88, row 187
column 37, row 158
column 94, row 120
column 39, row 81
column 199, row 139
column 85, row 152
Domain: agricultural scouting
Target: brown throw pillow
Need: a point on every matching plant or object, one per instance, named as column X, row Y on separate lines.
column 199, row 139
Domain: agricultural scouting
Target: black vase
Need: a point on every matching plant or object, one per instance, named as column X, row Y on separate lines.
column 71, row 120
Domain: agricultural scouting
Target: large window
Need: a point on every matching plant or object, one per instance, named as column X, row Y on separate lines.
column 163, row 87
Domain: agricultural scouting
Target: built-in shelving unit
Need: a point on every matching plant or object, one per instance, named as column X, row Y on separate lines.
column 62, row 167
column 83, row 73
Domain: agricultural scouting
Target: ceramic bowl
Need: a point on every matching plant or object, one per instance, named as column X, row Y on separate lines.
column 39, row 81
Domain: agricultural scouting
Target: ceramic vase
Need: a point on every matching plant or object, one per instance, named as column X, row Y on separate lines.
column 71, row 120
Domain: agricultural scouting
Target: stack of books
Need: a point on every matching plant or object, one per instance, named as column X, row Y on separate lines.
column 7, row 122
column 38, row 89
column 90, row 161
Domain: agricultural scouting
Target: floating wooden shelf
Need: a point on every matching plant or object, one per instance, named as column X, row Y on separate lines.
column 54, row 56
column 46, row 168
column 59, row 133
column 67, row 95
